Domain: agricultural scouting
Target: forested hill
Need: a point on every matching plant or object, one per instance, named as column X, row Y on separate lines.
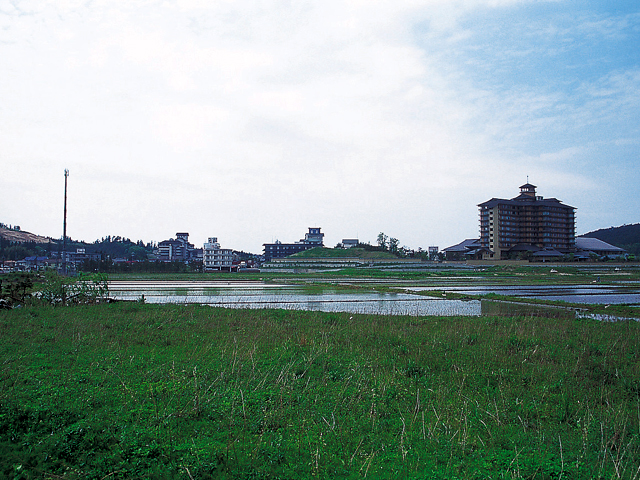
column 626, row 236
column 17, row 244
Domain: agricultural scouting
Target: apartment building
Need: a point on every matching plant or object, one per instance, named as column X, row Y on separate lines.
column 178, row 250
column 527, row 222
column 215, row 258
column 313, row 238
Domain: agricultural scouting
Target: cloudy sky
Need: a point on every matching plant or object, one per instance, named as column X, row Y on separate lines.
column 252, row 120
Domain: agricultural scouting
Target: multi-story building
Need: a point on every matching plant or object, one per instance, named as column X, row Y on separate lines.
column 526, row 222
column 215, row 258
column 178, row 250
column 314, row 238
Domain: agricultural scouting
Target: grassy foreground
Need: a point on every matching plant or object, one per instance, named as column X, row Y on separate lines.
column 149, row 391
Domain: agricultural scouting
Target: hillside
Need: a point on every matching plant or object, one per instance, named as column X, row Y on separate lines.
column 626, row 236
column 22, row 237
column 18, row 244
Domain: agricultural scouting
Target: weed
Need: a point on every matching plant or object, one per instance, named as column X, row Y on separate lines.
column 147, row 391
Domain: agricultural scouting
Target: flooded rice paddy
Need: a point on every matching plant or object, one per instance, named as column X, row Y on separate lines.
column 588, row 294
column 257, row 294
column 261, row 295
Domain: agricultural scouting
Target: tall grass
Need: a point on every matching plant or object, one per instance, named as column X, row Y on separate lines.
column 149, row 391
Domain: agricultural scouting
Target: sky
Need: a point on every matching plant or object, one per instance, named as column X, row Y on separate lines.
column 252, row 120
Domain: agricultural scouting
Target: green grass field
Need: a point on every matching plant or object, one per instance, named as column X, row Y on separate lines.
column 145, row 391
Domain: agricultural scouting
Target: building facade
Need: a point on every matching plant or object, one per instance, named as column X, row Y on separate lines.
column 594, row 248
column 178, row 250
column 349, row 242
column 469, row 249
column 215, row 258
column 526, row 223
column 313, row 238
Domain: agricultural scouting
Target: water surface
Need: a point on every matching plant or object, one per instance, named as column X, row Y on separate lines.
column 588, row 294
column 262, row 295
column 256, row 294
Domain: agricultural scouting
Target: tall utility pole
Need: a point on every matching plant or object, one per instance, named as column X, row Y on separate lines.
column 64, row 226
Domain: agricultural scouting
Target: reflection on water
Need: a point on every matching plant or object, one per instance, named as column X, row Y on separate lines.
column 593, row 294
column 602, row 317
column 259, row 295
column 513, row 309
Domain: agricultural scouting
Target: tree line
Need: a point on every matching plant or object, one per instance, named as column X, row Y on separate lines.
column 384, row 243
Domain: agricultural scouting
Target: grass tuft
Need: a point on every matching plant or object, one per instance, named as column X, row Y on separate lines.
column 132, row 390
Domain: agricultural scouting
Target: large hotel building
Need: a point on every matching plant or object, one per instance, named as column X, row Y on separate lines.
column 311, row 240
column 526, row 222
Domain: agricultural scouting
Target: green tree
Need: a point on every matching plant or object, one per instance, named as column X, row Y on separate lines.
column 382, row 240
column 393, row 245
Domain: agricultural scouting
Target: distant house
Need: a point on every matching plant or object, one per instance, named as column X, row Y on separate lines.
column 547, row 254
column 80, row 256
column 215, row 258
column 469, row 249
column 587, row 246
column 349, row 242
column 34, row 263
column 7, row 266
column 314, row 238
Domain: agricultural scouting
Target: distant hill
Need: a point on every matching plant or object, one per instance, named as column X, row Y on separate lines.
column 22, row 237
column 18, row 244
column 626, row 236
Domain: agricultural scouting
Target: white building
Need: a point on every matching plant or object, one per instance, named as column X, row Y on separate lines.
column 215, row 258
column 349, row 242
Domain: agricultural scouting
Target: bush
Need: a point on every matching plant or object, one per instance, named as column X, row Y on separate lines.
column 83, row 289
column 15, row 289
